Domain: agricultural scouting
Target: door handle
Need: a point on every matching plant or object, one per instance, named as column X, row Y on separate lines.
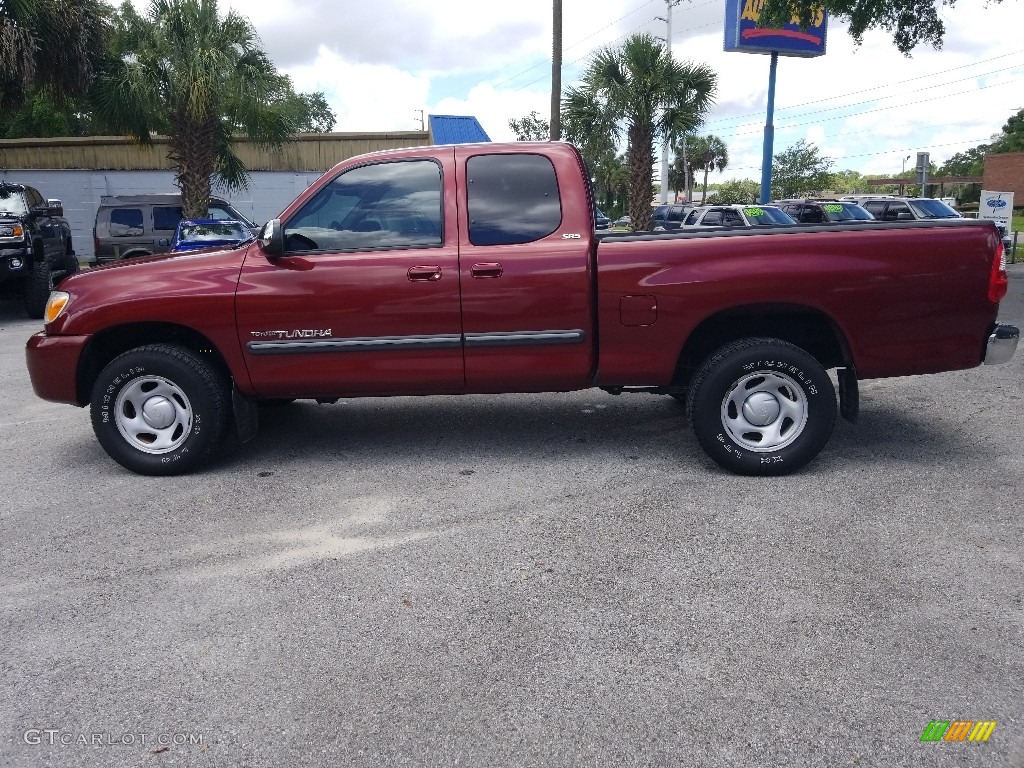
column 425, row 273
column 486, row 269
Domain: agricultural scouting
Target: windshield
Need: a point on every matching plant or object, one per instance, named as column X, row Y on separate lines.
column 214, row 232
column 933, row 209
column 845, row 212
column 763, row 215
column 12, row 201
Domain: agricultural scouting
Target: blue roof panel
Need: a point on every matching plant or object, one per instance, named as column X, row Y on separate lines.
column 456, row 129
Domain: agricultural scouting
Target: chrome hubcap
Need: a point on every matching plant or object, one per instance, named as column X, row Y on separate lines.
column 153, row 414
column 764, row 411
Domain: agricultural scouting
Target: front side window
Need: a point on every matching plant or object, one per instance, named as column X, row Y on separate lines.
column 691, row 217
column 125, row 222
column 892, row 213
column 385, row 205
column 511, row 199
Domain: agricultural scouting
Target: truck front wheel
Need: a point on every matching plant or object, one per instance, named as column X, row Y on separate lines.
column 762, row 407
column 38, row 285
column 159, row 409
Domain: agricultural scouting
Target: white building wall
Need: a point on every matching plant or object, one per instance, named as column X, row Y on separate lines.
column 268, row 194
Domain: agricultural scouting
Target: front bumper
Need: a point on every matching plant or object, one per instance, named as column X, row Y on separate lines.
column 53, row 366
column 1002, row 343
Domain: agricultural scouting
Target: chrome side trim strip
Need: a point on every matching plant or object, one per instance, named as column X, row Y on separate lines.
column 356, row 344
column 436, row 341
column 520, row 338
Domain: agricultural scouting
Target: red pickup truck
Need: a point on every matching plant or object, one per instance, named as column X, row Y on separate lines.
column 476, row 269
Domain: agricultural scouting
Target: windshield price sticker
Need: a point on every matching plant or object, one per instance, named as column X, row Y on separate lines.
column 832, row 208
column 754, row 211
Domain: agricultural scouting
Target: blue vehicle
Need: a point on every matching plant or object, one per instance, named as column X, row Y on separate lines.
column 194, row 234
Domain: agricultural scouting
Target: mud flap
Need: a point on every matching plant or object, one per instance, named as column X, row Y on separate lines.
column 849, row 394
column 247, row 420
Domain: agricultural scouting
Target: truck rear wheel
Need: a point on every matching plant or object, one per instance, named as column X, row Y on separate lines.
column 37, row 289
column 159, row 409
column 762, row 407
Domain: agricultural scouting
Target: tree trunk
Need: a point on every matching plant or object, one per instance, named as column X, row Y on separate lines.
column 194, row 158
column 640, row 161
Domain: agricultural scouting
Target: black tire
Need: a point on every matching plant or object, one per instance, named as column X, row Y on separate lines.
column 37, row 289
column 71, row 265
column 188, row 402
column 762, row 407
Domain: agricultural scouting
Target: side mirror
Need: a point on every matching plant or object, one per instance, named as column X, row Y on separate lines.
column 271, row 237
column 56, row 207
column 904, row 216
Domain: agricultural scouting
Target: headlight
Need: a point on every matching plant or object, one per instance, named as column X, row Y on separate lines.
column 11, row 230
column 55, row 305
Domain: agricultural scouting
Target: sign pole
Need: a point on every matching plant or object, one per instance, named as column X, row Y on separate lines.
column 769, row 134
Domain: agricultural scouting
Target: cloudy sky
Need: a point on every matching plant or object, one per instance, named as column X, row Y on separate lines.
column 379, row 63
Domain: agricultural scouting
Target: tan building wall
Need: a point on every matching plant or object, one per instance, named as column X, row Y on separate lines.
column 1005, row 173
column 314, row 152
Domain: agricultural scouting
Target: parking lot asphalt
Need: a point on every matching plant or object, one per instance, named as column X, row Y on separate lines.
column 530, row 580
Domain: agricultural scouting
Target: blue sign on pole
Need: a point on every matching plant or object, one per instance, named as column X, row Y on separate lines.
column 742, row 33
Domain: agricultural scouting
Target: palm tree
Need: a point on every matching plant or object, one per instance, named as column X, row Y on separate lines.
column 709, row 153
column 639, row 90
column 49, row 45
column 189, row 74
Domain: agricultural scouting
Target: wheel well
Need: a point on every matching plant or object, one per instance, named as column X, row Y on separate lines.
column 108, row 344
column 136, row 254
column 806, row 328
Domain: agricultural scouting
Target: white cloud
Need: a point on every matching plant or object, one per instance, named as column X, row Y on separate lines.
column 866, row 107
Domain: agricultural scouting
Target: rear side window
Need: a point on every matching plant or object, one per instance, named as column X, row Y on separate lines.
column 166, row 217
column 125, row 222
column 512, row 199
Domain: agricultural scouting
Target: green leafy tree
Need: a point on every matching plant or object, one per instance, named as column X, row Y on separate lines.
column 531, row 127
column 639, row 91
column 742, row 191
column 910, row 22
column 50, row 45
column 187, row 73
column 309, row 112
column 707, row 153
column 1012, row 137
column 800, row 170
column 847, row 182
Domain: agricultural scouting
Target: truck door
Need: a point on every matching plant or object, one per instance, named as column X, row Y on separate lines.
column 365, row 299
column 526, row 235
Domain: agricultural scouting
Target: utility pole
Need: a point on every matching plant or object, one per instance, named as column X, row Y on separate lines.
column 664, row 141
column 556, row 71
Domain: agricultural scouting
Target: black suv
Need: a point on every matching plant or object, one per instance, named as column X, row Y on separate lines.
column 821, row 211
column 35, row 245
column 670, row 216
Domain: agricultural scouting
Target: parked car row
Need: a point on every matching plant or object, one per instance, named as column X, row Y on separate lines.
column 668, row 217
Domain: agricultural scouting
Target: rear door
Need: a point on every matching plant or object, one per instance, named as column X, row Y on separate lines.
column 525, row 260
